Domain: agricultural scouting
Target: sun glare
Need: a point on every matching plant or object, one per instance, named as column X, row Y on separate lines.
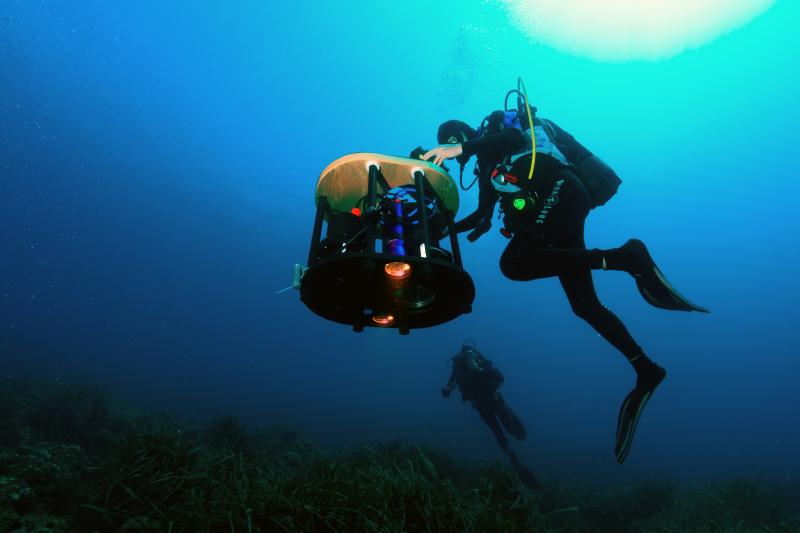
column 628, row 30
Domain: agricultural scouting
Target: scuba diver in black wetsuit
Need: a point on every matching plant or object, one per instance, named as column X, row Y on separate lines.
column 545, row 195
column 479, row 381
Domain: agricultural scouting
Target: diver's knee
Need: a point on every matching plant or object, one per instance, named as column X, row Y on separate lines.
column 588, row 311
column 517, row 269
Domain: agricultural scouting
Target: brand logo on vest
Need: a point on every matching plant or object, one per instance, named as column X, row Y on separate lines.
column 550, row 202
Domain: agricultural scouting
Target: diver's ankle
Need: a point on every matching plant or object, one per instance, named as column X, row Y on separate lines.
column 650, row 374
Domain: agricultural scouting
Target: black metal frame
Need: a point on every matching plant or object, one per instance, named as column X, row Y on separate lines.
column 323, row 295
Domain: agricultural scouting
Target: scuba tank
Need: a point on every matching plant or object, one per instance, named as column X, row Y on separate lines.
column 600, row 180
column 546, row 138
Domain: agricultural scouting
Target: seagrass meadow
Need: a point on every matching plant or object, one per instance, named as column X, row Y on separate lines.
column 74, row 459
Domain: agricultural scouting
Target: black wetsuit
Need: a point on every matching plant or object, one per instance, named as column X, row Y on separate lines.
column 548, row 238
column 478, row 384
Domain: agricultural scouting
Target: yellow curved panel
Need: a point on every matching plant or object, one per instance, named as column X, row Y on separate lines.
column 344, row 182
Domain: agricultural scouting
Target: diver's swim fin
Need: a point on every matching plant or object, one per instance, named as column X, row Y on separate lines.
column 509, row 419
column 653, row 285
column 524, row 473
column 631, row 409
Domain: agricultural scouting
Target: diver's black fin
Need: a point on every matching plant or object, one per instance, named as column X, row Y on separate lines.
column 653, row 284
column 524, row 473
column 509, row 419
column 631, row 409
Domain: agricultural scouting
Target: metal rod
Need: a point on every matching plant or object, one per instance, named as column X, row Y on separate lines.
column 422, row 210
column 453, row 238
column 372, row 186
column 322, row 205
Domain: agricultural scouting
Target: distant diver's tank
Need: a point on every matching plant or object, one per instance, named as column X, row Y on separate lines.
column 402, row 206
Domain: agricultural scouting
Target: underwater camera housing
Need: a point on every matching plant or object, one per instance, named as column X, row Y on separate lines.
column 381, row 263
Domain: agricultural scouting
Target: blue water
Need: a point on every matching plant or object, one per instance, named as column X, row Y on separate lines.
column 157, row 171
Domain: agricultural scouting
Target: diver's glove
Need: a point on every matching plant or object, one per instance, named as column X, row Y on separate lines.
column 417, row 152
column 483, row 226
column 445, row 392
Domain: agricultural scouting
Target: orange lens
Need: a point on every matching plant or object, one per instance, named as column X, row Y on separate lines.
column 383, row 320
column 397, row 270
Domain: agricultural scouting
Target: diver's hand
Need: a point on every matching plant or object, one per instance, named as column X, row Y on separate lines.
column 445, row 392
column 483, row 226
column 445, row 151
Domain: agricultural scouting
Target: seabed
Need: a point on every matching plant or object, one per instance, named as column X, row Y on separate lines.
column 73, row 459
